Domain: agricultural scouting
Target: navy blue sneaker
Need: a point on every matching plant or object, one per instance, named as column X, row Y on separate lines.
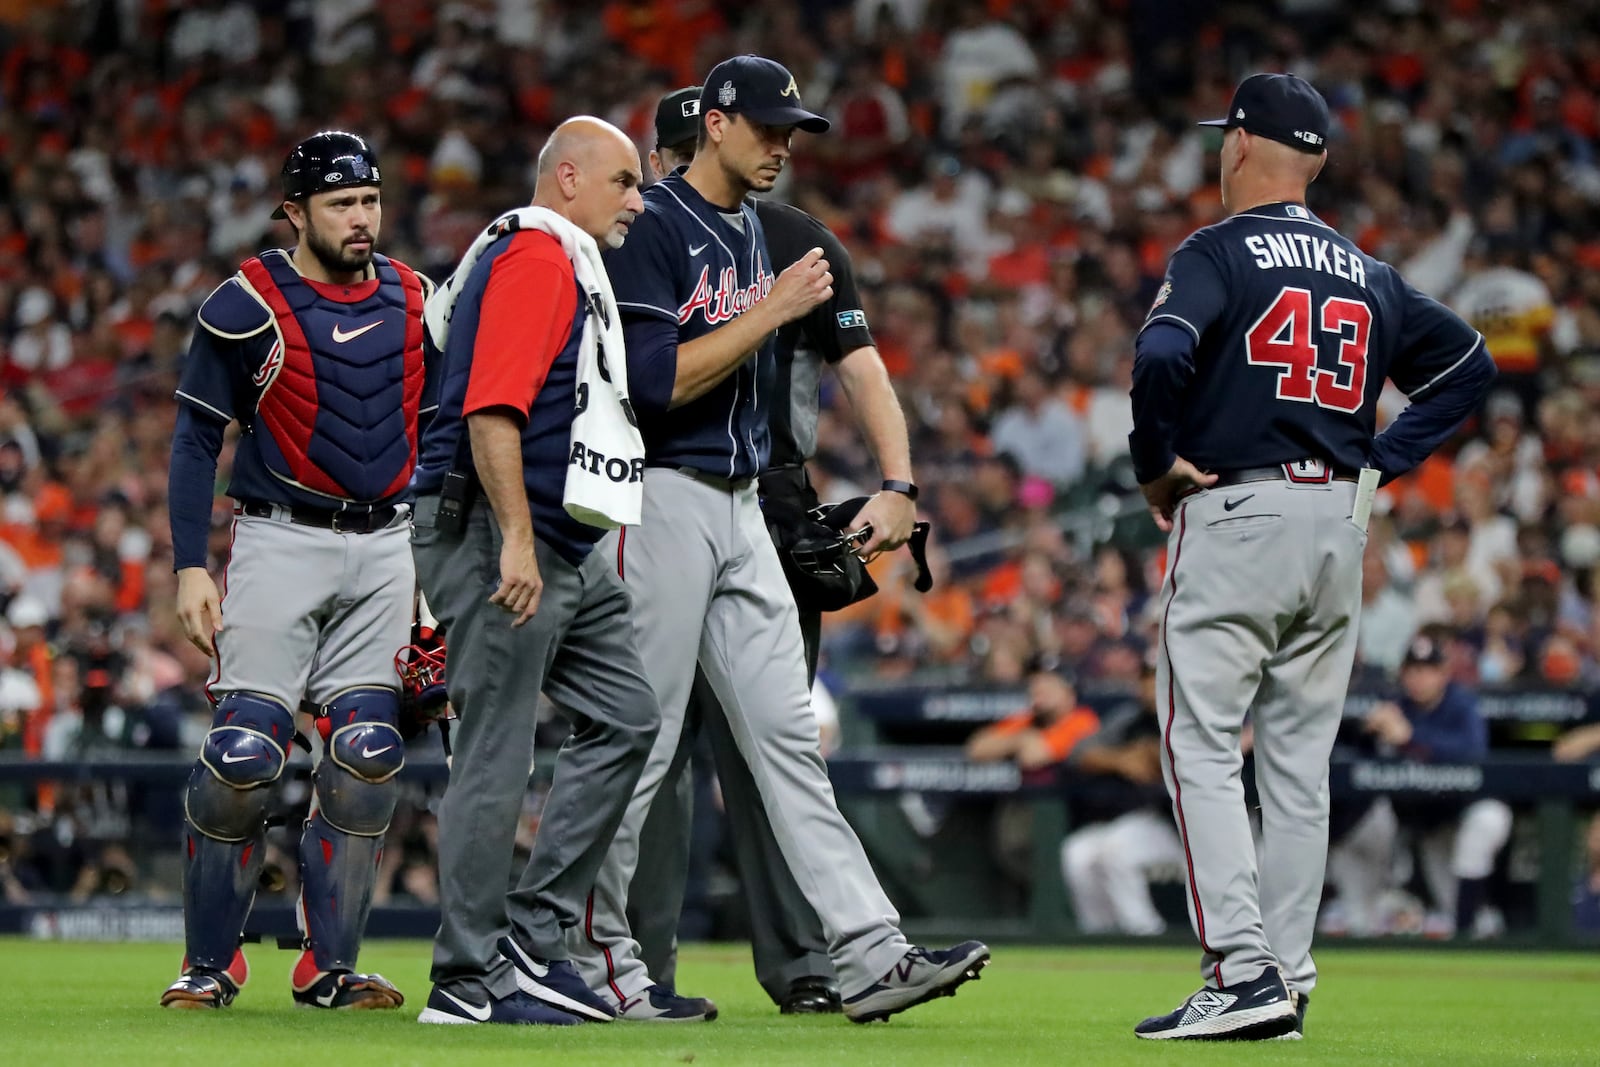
column 656, row 1005
column 1255, row 1011
column 556, row 982
column 921, row 975
column 518, row 1008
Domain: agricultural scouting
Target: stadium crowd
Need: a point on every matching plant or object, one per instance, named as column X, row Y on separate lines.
column 1010, row 176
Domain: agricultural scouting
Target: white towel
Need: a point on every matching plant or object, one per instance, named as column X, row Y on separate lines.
column 605, row 479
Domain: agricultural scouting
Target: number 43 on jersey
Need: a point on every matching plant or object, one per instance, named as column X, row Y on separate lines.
column 1281, row 338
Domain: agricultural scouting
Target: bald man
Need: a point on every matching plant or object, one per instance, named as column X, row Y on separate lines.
column 526, row 602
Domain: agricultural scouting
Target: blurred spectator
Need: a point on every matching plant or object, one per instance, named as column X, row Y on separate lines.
column 1436, row 720
column 1122, row 823
column 1387, row 617
column 1042, row 432
column 1037, row 739
column 1586, row 894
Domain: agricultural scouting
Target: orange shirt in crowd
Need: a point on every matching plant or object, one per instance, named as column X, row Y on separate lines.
column 1060, row 737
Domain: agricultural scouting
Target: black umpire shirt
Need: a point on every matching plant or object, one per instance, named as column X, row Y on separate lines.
column 831, row 331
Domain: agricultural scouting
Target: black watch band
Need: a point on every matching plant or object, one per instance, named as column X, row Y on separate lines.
column 907, row 489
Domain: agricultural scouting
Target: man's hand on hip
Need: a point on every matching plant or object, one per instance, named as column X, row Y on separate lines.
column 1163, row 494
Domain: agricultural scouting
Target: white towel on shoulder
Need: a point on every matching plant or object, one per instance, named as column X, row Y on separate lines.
column 605, row 470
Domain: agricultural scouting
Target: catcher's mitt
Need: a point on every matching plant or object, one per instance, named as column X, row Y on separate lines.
column 423, row 699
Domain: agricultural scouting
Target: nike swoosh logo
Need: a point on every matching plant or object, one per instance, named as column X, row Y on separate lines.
column 1229, row 505
column 695, row 250
column 480, row 1014
column 340, row 336
column 368, row 753
column 228, row 757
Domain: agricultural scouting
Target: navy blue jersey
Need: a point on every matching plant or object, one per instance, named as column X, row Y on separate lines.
column 693, row 266
column 513, row 347
column 829, row 332
column 1270, row 341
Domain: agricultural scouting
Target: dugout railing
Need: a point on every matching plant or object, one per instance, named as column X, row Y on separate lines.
column 942, row 880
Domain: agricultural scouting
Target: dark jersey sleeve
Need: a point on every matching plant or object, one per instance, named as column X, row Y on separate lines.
column 1193, row 293
column 1443, row 366
column 1434, row 342
column 647, row 273
column 834, row 328
column 207, row 381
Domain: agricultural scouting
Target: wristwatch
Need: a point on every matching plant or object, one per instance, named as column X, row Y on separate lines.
column 907, row 489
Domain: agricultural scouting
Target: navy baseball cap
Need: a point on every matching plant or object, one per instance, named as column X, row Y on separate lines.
column 1424, row 651
column 678, row 117
column 760, row 89
column 1279, row 107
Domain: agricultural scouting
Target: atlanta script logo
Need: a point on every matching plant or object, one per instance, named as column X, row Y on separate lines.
column 727, row 301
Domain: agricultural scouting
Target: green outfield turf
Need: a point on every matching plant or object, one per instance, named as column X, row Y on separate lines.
column 88, row 1005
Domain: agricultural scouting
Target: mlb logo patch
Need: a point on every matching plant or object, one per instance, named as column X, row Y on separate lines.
column 691, row 108
column 852, row 320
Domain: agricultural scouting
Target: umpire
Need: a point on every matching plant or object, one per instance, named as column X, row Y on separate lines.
column 786, row 937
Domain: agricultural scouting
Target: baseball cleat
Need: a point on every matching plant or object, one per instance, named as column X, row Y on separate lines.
column 517, row 1009
column 811, row 996
column 341, row 989
column 203, row 987
column 656, row 1005
column 921, row 975
column 1253, row 1011
column 556, row 982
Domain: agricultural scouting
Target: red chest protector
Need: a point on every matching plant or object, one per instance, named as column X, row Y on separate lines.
column 338, row 410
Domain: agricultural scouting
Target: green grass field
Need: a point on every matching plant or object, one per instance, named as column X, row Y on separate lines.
column 84, row 1004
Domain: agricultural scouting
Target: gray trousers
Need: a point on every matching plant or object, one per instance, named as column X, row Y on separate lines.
column 579, row 649
column 786, row 937
column 707, row 585
column 1260, row 608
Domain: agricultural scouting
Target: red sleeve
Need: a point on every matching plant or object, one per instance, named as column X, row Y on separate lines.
column 524, row 322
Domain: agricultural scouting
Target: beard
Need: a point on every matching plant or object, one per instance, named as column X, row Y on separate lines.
column 335, row 259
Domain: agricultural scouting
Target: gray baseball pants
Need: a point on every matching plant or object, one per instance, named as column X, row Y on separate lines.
column 708, row 587
column 1260, row 607
column 579, row 649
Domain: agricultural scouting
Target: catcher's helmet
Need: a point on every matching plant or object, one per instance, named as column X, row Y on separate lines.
column 327, row 160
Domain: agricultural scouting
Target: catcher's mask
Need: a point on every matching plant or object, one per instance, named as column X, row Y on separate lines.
column 822, row 566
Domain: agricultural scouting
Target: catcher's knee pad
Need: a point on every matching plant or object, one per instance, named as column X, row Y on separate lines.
column 356, row 790
column 242, row 756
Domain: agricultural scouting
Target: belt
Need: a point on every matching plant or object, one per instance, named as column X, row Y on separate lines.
column 1283, row 472
column 356, row 520
column 716, row 481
